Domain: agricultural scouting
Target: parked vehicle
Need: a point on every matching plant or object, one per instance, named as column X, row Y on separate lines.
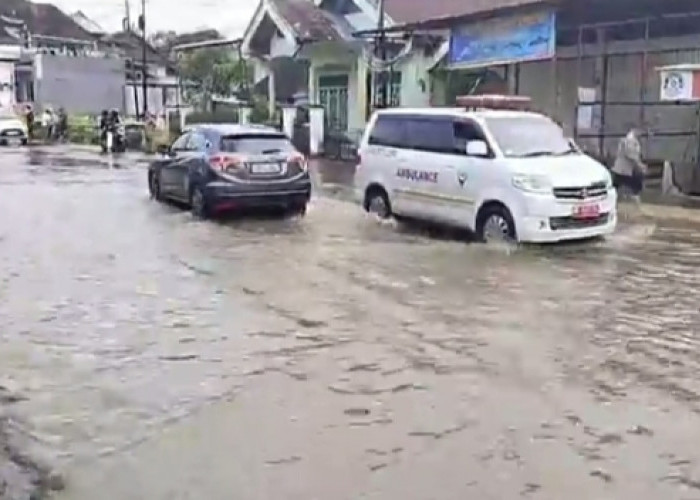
column 13, row 129
column 503, row 174
column 217, row 168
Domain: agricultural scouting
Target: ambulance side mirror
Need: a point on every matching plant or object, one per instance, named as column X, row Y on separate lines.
column 477, row 148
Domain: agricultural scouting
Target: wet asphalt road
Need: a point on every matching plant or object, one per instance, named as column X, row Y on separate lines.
column 149, row 355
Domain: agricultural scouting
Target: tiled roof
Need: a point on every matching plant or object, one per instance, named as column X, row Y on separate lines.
column 308, row 21
column 11, row 29
column 44, row 19
column 416, row 11
column 130, row 44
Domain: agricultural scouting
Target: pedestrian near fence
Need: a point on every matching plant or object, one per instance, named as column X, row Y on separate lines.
column 629, row 170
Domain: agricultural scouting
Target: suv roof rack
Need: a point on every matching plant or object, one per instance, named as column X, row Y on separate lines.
column 494, row 101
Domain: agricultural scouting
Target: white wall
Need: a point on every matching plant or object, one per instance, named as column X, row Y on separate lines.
column 281, row 47
column 7, row 84
column 79, row 84
column 9, row 54
column 415, row 80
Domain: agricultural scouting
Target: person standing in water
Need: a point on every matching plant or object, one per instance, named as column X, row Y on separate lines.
column 629, row 170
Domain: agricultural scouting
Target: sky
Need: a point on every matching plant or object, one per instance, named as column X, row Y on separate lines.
column 230, row 17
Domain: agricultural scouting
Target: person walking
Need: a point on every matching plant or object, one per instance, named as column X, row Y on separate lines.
column 47, row 122
column 29, row 116
column 62, row 125
column 629, row 170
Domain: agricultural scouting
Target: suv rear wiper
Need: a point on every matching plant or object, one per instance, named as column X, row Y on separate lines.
column 271, row 151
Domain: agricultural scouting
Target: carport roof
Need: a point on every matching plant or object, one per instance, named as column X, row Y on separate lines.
column 443, row 14
column 309, row 22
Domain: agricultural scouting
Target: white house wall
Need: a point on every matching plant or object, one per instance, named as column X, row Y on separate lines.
column 415, row 80
column 281, row 47
column 9, row 54
column 79, row 84
column 7, row 84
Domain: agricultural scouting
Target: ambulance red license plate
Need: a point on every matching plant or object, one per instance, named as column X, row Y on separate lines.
column 587, row 211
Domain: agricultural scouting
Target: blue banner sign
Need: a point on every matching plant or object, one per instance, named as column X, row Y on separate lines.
column 504, row 40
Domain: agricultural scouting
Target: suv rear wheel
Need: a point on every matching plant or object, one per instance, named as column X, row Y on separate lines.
column 198, row 203
column 377, row 202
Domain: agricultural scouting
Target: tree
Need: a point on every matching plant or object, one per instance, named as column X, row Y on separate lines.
column 214, row 71
column 163, row 39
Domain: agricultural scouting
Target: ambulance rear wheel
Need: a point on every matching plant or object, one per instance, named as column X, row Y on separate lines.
column 377, row 202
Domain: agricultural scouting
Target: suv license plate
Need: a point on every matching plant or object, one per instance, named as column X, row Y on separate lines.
column 265, row 168
column 589, row 211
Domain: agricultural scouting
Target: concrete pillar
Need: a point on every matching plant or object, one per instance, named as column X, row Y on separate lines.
column 272, row 104
column 183, row 117
column 361, row 102
column 244, row 115
column 313, row 85
column 316, row 130
column 289, row 114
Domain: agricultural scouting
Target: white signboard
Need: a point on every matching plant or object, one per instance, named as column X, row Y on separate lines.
column 676, row 85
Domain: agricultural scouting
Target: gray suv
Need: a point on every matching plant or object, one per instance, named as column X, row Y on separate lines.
column 221, row 168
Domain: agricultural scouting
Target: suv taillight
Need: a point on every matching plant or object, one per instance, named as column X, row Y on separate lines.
column 223, row 163
column 299, row 159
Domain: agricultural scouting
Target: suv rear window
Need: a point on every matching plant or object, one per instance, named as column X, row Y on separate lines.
column 256, row 144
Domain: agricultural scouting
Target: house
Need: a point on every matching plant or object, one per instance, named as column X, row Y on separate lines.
column 11, row 40
column 593, row 66
column 163, row 89
column 341, row 71
column 60, row 63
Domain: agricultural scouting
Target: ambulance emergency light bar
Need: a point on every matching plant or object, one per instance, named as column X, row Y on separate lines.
column 494, row 101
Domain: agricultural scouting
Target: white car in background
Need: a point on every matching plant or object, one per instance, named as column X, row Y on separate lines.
column 505, row 174
column 13, row 130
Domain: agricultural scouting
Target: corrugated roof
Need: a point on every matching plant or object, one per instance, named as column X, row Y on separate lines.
column 308, row 21
column 130, row 43
column 416, row 11
column 87, row 24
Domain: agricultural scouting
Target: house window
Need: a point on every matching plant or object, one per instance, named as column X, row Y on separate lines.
column 333, row 96
column 393, row 89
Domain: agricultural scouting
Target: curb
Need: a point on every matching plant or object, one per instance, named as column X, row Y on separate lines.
column 630, row 212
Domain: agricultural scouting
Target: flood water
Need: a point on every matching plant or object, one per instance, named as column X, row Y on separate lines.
column 335, row 357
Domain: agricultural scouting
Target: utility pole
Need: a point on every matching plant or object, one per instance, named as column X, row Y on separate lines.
column 126, row 24
column 144, row 70
column 381, row 53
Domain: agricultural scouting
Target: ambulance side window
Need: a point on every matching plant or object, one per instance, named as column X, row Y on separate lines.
column 465, row 131
column 388, row 131
column 429, row 135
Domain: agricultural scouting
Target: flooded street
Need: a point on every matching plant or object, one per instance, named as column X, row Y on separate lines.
column 147, row 355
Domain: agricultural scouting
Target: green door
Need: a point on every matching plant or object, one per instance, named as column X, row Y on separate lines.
column 333, row 96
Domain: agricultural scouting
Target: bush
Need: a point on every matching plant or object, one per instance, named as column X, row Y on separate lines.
column 81, row 129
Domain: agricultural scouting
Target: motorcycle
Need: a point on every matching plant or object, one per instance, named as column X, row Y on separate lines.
column 114, row 139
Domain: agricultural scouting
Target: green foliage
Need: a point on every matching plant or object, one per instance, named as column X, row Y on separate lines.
column 260, row 112
column 215, row 71
column 82, row 129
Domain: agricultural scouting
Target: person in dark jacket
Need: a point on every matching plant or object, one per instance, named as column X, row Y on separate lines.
column 62, row 125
